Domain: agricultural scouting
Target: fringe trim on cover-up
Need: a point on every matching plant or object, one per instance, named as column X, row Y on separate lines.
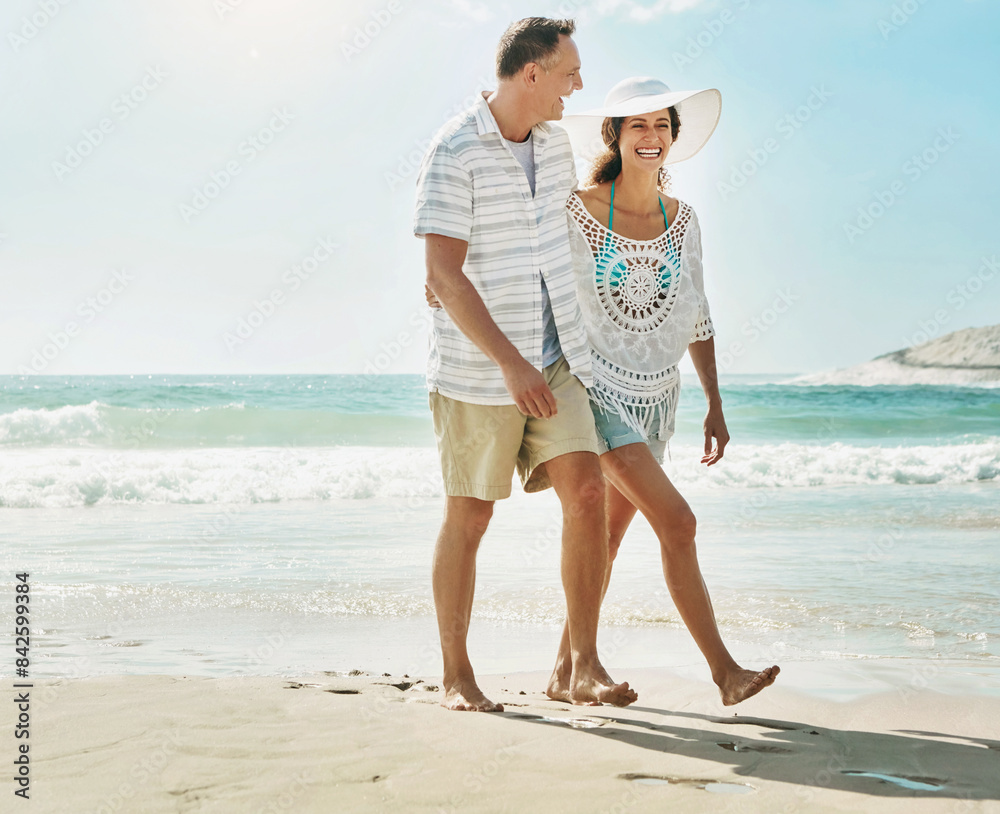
column 638, row 398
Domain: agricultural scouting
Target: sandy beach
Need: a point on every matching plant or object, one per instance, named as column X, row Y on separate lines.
column 342, row 742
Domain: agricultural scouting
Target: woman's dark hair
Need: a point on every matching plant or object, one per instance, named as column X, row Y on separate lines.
column 608, row 165
column 533, row 39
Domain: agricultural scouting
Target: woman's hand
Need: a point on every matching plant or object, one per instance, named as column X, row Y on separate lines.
column 703, row 356
column 432, row 301
column 715, row 427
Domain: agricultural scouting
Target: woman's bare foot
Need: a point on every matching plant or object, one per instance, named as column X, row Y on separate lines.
column 739, row 684
column 466, row 696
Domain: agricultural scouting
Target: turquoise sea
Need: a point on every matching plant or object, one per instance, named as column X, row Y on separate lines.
column 284, row 524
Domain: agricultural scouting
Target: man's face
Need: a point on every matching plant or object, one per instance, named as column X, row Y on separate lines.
column 562, row 78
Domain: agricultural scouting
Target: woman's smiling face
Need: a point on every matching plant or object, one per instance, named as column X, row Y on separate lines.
column 645, row 140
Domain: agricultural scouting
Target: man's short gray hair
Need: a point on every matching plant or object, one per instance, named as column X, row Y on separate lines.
column 533, row 39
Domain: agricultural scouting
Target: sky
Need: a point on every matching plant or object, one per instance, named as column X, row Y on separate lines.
column 227, row 186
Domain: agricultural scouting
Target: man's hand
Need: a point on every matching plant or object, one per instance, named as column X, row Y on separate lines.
column 528, row 389
column 715, row 427
column 448, row 287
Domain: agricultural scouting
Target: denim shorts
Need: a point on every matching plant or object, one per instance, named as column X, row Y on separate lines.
column 612, row 432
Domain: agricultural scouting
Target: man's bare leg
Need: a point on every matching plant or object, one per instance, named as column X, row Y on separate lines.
column 454, row 579
column 579, row 484
column 619, row 513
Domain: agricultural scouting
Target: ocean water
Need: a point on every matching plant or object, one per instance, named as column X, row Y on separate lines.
column 225, row 525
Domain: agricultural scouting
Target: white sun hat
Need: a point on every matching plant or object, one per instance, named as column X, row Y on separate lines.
column 699, row 112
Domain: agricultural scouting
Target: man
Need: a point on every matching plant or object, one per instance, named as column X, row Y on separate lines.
column 509, row 360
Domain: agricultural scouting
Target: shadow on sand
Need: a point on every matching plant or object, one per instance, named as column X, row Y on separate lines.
column 912, row 763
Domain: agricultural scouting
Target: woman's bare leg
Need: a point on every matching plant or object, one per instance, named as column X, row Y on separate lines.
column 636, row 475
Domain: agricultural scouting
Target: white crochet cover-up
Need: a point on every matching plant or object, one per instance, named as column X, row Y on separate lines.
column 642, row 306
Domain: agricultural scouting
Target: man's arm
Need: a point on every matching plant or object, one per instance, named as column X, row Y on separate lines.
column 460, row 300
column 703, row 356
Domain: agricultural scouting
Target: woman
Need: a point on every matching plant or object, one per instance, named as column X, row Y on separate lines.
column 637, row 254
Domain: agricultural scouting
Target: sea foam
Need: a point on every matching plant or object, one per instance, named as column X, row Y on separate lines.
column 63, row 477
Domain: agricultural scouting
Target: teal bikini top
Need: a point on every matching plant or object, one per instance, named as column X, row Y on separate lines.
column 611, row 216
column 618, row 271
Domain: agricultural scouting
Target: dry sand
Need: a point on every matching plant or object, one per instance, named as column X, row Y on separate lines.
column 342, row 743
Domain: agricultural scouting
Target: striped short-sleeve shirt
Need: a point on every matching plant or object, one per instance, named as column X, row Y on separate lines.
column 471, row 187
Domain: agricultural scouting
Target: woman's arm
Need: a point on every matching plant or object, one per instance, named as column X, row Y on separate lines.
column 703, row 356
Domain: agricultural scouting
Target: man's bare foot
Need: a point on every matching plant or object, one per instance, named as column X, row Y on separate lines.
column 466, row 696
column 558, row 689
column 740, row 684
column 595, row 687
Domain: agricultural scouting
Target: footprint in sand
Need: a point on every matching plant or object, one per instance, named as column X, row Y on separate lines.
column 754, row 747
column 758, row 722
column 579, row 723
column 402, row 686
column 903, row 781
column 576, row 723
column 711, row 786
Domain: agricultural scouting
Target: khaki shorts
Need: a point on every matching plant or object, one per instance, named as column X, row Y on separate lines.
column 481, row 444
